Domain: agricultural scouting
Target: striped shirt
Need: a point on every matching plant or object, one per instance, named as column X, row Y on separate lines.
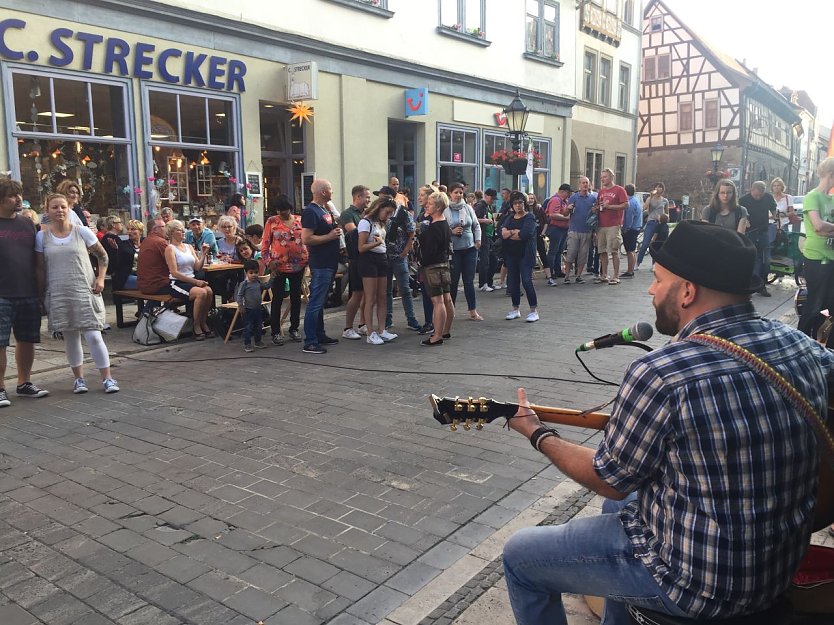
column 724, row 469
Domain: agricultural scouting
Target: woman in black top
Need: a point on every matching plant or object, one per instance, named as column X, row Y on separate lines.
column 534, row 207
column 423, row 219
column 518, row 229
column 435, row 247
column 124, row 277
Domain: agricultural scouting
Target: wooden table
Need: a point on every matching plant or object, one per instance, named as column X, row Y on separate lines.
column 214, row 275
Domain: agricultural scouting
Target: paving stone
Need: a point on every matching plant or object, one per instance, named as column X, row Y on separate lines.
column 349, row 585
column 344, row 619
column 95, row 526
column 30, row 591
column 83, row 584
column 60, row 609
column 115, row 602
column 366, row 566
column 208, row 612
column 182, row 568
column 413, row 577
column 15, row 615
column 291, row 615
column 148, row 615
column 123, row 540
column 377, row 604
column 266, row 577
column 305, row 595
column 151, row 553
column 255, row 603
column 443, row 555
column 12, row 573
column 55, row 566
column 311, row 569
column 217, row 585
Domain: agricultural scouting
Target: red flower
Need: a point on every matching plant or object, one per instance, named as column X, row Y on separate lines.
column 502, row 156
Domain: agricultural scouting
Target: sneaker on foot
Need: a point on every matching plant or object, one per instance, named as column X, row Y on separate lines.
column 80, row 386
column 513, row 314
column 363, row 330
column 413, row 324
column 426, row 329
column 551, row 282
column 567, row 280
column 295, row 336
column 260, row 345
column 374, row 339
column 248, row 349
column 277, row 339
column 27, row 389
column 388, row 336
column 499, row 285
column 532, row 316
column 351, row 334
column 488, row 289
column 314, row 349
column 579, row 280
column 110, row 385
column 4, row 399
column 326, row 340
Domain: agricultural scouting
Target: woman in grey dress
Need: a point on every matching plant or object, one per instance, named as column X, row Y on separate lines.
column 73, row 292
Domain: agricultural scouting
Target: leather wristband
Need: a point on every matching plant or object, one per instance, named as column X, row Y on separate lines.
column 540, row 434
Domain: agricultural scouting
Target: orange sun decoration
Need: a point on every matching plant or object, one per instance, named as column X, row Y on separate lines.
column 302, row 112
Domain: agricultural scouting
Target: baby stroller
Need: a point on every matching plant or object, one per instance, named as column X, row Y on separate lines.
column 786, row 257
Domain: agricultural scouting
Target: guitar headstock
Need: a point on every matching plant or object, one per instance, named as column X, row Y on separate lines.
column 455, row 411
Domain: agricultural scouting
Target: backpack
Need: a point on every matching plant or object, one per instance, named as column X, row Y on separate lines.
column 398, row 221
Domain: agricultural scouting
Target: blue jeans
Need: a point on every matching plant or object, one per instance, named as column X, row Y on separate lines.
column 558, row 238
column 320, row 280
column 253, row 325
column 464, row 262
column 591, row 556
column 648, row 233
column 520, row 272
column 398, row 267
column 761, row 239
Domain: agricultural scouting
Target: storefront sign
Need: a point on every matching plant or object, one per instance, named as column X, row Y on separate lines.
column 303, row 81
column 416, row 102
column 253, row 184
column 172, row 65
column 501, row 119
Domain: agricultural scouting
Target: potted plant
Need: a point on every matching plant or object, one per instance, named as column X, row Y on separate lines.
column 514, row 162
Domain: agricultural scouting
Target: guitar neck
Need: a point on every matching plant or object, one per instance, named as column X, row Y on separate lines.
column 566, row 416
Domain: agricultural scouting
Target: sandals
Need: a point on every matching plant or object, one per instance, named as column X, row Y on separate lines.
column 199, row 337
column 475, row 317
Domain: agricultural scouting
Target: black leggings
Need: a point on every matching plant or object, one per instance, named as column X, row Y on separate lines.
column 278, row 298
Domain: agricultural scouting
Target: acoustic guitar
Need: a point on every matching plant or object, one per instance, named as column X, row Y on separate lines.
column 457, row 412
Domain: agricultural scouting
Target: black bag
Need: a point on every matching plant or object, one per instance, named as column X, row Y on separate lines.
column 219, row 320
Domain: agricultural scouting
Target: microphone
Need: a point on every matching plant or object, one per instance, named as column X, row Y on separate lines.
column 640, row 331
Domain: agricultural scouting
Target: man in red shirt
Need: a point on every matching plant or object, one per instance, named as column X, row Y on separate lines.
column 152, row 268
column 612, row 202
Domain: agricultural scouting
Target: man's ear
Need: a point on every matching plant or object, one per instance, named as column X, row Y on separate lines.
column 688, row 294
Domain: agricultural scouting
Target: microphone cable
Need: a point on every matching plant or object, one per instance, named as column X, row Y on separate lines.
column 606, row 382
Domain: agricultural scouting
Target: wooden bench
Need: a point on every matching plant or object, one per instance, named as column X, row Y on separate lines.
column 126, row 295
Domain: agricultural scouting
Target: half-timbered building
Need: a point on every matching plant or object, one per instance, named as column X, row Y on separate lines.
column 693, row 97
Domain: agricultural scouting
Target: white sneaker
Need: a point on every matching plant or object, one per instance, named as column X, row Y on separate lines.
column 373, row 339
column 80, row 386
column 532, row 316
column 351, row 334
column 513, row 314
column 499, row 285
column 363, row 330
column 110, row 385
column 388, row 336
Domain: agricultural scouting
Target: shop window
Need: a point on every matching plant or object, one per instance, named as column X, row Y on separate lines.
column 496, row 178
column 457, row 157
column 70, row 127
column 194, row 164
column 542, row 37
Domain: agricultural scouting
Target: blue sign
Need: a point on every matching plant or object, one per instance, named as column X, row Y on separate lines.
column 416, row 101
column 120, row 59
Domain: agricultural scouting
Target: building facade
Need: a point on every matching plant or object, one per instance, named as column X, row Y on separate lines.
column 608, row 52
column 184, row 103
column 694, row 97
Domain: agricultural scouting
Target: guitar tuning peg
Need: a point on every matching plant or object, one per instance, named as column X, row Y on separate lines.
column 483, row 401
column 454, row 425
column 480, row 425
column 471, row 405
column 467, row 425
column 458, row 404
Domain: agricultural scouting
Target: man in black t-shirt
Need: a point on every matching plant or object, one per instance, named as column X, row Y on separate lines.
column 761, row 208
column 20, row 292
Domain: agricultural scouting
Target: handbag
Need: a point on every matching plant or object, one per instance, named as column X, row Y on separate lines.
column 169, row 325
column 143, row 332
column 812, row 585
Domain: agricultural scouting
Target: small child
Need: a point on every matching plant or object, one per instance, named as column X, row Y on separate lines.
column 248, row 298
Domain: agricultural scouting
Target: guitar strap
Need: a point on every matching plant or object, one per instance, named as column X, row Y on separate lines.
column 778, row 382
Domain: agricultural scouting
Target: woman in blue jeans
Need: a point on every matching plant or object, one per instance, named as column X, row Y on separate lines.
column 654, row 206
column 518, row 230
column 466, row 239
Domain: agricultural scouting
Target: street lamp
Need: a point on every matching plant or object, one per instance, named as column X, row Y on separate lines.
column 716, row 153
column 516, row 114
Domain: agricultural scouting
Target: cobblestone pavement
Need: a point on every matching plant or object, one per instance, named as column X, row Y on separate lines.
column 227, row 488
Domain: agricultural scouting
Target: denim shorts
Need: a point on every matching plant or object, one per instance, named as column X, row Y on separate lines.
column 22, row 315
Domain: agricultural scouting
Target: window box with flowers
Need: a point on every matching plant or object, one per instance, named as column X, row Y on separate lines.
column 514, row 162
column 472, row 35
column 715, row 176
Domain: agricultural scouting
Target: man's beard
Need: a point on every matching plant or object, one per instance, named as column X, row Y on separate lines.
column 668, row 316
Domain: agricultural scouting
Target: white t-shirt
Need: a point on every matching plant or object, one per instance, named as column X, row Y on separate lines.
column 89, row 238
column 373, row 230
column 782, row 208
